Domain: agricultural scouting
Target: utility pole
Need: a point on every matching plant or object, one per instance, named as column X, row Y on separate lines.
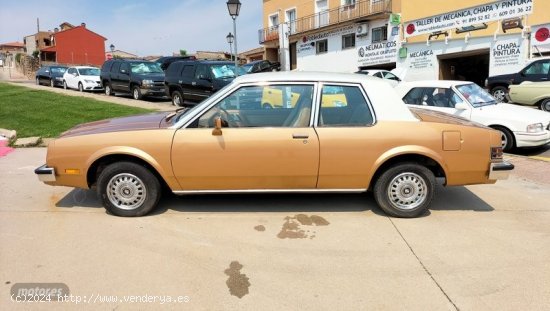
column 37, row 25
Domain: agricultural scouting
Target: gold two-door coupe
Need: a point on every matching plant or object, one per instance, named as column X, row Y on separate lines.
column 367, row 139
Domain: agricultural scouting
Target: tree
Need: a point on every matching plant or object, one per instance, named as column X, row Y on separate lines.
column 183, row 52
column 35, row 53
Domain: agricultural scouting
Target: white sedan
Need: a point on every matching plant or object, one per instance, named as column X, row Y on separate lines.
column 82, row 78
column 520, row 126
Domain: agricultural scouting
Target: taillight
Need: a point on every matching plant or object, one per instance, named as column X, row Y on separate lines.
column 496, row 153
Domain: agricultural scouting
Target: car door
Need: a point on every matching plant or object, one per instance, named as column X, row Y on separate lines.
column 186, row 82
column 256, row 149
column 123, row 79
column 70, row 78
column 348, row 137
column 201, row 86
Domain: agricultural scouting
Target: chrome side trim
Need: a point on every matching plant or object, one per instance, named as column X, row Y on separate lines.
column 184, row 192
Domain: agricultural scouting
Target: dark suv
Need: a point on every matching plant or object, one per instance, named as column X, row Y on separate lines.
column 190, row 82
column 137, row 77
column 537, row 70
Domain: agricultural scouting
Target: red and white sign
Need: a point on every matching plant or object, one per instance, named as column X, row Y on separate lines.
column 108, row 56
column 540, row 34
column 476, row 15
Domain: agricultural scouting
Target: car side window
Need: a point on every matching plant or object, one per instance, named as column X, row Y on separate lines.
column 262, row 106
column 378, row 75
column 188, row 71
column 201, row 72
column 344, row 106
column 391, row 76
column 538, row 68
column 124, row 67
column 432, row 96
column 116, row 67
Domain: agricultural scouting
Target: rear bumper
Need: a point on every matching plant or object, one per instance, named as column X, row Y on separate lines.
column 45, row 173
column 500, row 171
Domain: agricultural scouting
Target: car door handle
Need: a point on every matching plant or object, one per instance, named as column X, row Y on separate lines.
column 300, row 136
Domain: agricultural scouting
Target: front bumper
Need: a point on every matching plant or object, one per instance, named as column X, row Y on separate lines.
column 500, row 171
column 45, row 173
column 153, row 91
column 96, row 86
column 532, row 139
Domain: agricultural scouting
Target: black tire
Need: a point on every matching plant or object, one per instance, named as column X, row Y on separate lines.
column 177, row 99
column 508, row 140
column 405, row 190
column 52, row 84
column 136, row 93
column 80, row 87
column 500, row 93
column 64, row 84
column 545, row 105
column 267, row 106
column 108, row 89
column 128, row 189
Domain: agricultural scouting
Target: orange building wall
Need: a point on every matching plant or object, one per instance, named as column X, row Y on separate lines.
column 80, row 46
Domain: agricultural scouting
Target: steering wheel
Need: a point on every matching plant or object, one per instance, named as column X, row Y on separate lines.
column 227, row 121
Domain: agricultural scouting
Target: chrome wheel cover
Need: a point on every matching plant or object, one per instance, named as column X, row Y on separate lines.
column 126, row 191
column 499, row 95
column 136, row 93
column 107, row 89
column 546, row 106
column 177, row 100
column 407, row 191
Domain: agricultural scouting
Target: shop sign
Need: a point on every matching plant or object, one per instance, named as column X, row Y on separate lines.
column 377, row 53
column 467, row 17
column 506, row 55
column 395, row 19
column 422, row 59
column 306, row 45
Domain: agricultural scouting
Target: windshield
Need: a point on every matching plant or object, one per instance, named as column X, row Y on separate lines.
column 145, row 68
column 247, row 67
column 226, row 71
column 58, row 69
column 476, row 95
column 89, row 71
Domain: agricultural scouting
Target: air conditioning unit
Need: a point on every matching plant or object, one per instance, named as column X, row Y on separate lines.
column 362, row 30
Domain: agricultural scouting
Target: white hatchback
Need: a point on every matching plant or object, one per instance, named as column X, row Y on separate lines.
column 82, row 78
column 520, row 126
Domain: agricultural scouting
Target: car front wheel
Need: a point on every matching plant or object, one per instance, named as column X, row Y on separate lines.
column 545, row 105
column 80, row 87
column 108, row 90
column 499, row 93
column 405, row 190
column 64, row 84
column 136, row 93
column 508, row 141
column 177, row 99
column 52, row 83
column 128, row 189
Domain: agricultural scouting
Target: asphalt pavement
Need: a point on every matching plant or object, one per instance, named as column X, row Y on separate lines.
column 482, row 247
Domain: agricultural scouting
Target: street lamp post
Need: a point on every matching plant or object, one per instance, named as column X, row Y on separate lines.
column 234, row 6
column 112, row 47
column 230, row 38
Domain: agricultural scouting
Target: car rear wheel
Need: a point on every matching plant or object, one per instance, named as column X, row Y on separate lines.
column 499, row 93
column 108, row 89
column 545, row 105
column 177, row 99
column 508, row 141
column 136, row 93
column 80, row 87
column 405, row 190
column 128, row 189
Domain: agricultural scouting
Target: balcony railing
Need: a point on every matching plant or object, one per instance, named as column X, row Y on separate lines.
column 334, row 16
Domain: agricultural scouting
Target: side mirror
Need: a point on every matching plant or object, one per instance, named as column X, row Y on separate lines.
column 217, row 131
column 461, row 106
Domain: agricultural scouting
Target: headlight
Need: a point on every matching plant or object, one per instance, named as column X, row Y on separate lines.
column 89, row 81
column 147, row 82
column 535, row 128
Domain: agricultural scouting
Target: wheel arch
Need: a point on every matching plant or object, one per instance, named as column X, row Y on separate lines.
column 96, row 166
column 422, row 156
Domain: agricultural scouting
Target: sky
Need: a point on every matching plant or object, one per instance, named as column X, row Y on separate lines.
column 141, row 27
